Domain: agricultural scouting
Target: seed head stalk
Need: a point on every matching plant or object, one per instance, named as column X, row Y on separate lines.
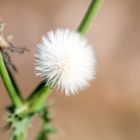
column 88, row 19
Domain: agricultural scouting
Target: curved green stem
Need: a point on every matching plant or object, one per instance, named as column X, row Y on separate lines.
column 89, row 16
column 39, row 96
column 9, row 84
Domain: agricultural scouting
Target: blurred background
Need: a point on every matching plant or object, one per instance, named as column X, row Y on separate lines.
column 110, row 108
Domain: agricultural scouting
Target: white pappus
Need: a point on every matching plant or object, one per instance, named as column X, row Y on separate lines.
column 64, row 59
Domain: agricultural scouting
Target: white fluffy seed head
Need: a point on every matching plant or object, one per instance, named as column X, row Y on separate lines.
column 64, row 59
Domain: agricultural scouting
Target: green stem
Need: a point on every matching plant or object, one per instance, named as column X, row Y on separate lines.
column 89, row 16
column 13, row 81
column 8, row 82
column 38, row 97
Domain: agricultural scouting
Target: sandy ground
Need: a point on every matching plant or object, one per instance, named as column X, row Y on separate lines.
column 110, row 108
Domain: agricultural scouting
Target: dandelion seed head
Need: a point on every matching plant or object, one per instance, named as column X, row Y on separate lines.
column 65, row 59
